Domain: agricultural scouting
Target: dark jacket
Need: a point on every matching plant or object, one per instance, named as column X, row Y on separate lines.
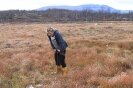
column 60, row 41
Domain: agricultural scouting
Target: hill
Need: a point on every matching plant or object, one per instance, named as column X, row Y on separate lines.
column 93, row 7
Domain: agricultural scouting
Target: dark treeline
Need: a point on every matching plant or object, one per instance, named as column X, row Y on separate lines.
column 56, row 15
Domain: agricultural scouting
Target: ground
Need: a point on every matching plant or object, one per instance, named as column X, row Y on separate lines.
column 100, row 55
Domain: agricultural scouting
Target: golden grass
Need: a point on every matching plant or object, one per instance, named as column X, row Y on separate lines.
column 99, row 55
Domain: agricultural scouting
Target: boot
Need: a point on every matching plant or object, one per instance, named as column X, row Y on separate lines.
column 65, row 71
column 59, row 69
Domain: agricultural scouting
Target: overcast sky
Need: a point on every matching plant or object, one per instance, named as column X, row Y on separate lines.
column 34, row 4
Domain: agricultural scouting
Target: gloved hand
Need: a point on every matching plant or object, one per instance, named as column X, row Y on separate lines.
column 58, row 50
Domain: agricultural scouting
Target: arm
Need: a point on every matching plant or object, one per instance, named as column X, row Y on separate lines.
column 51, row 42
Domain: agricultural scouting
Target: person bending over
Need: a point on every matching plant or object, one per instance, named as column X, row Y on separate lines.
column 59, row 45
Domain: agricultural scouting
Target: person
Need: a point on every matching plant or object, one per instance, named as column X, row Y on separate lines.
column 59, row 45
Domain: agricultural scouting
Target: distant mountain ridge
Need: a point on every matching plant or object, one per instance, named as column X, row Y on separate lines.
column 93, row 7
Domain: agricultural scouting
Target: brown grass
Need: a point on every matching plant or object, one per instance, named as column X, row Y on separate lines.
column 99, row 55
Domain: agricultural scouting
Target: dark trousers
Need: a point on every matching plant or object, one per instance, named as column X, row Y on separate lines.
column 60, row 59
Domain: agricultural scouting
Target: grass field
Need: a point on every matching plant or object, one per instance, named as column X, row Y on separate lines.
column 100, row 55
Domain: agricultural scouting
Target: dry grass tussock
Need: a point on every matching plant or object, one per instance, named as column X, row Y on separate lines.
column 100, row 55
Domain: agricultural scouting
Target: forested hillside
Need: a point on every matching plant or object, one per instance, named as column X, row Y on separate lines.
column 56, row 15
